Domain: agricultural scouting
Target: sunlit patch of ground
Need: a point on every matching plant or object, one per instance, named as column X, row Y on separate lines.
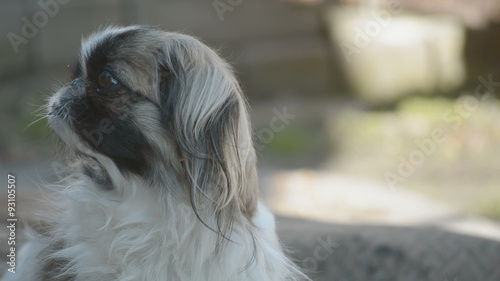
column 341, row 199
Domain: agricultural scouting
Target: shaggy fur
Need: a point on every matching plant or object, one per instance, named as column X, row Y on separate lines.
column 160, row 181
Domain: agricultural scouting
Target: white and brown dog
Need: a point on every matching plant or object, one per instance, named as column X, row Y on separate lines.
column 161, row 181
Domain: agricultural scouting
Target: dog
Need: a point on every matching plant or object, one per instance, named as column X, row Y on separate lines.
column 160, row 173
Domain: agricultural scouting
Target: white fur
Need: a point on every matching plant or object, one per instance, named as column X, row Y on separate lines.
column 132, row 235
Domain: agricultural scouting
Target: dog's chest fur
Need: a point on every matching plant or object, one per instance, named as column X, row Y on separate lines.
column 123, row 235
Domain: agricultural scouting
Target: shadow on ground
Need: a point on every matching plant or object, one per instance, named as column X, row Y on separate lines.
column 380, row 253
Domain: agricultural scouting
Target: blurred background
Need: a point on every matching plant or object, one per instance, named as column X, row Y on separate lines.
column 376, row 121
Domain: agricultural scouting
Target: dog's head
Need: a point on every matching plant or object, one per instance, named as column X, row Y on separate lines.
column 162, row 107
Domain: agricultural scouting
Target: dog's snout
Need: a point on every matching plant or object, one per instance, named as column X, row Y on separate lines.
column 78, row 82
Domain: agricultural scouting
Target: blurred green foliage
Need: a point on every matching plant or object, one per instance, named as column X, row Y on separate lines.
column 462, row 169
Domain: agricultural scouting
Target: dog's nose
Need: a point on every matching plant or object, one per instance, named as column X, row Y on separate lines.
column 78, row 82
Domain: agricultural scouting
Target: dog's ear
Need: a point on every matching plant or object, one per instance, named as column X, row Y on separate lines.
column 205, row 113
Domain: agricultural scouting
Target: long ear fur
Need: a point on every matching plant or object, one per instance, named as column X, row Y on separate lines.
column 204, row 109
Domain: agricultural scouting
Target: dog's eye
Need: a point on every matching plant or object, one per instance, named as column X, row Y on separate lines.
column 106, row 80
